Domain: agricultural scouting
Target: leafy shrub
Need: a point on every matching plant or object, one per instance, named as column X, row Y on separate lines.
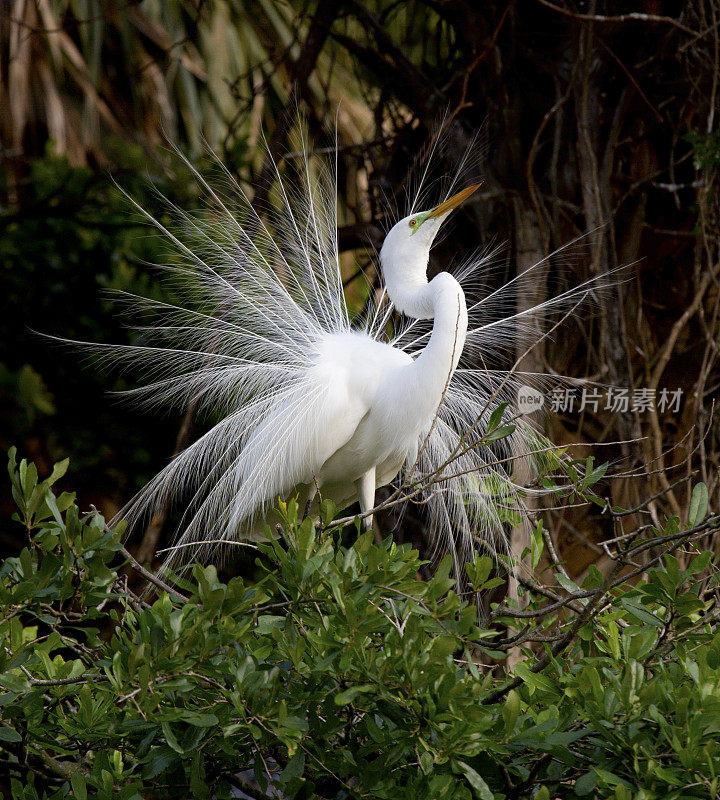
column 339, row 674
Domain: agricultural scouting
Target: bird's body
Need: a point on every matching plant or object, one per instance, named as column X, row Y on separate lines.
column 361, row 423
column 361, row 434
column 377, row 403
column 367, row 431
column 308, row 402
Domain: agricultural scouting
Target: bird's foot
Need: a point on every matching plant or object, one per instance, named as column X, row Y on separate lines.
column 306, row 513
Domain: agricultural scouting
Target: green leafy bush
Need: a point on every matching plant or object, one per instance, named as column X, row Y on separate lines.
column 340, row 674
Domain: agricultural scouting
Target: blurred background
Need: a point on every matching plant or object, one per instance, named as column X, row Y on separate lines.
column 590, row 117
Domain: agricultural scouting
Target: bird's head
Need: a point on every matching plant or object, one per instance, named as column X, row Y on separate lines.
column 406, row 250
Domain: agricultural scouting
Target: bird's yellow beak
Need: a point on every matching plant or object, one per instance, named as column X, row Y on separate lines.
column 453, row 202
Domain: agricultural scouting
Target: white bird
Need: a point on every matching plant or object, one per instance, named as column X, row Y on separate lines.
column 315, row 405
column 377, row 401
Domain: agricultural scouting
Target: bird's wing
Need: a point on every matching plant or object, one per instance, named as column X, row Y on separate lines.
column 299, row 430
column 290, row 446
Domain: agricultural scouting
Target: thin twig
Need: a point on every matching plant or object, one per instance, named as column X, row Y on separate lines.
column 151, row 577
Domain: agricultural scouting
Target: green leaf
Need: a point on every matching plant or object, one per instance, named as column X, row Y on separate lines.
column 170, row 737
column 585, row 783
column 511, row 710
column 79, row 786
column 199, row 720
column 698, row 505
column 610, row 779
column 343, row 698
column 569, row 585
column 566, row 737
column 492, row 583
column 443, row 646
column 296, row 724
column 496, row 416
column 594, row 578
column 699, row 563
column 482, row 790
column 534, row 680
column 595, row 475
column 267, row 622
column 294, row 768
column 58, row 471
column 537, row 545
column 8, row 734
column 12, row 463
column 672, row 525
column 641, row 613
column 328, row 510
column 478, row 570
column 500, row 433
column 427, row 762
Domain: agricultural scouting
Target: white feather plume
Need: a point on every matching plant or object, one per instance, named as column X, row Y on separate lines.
column 261, row 295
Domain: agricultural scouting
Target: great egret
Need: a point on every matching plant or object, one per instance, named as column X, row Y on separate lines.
column 314, row 404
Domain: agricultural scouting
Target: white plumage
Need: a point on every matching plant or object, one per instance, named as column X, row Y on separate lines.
column 314, row 404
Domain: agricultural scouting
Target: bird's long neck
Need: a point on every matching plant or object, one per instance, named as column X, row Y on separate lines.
column 438, row 361
column 443, row 301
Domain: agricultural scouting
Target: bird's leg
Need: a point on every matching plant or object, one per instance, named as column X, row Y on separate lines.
column 366, row 496
column 312, row 491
